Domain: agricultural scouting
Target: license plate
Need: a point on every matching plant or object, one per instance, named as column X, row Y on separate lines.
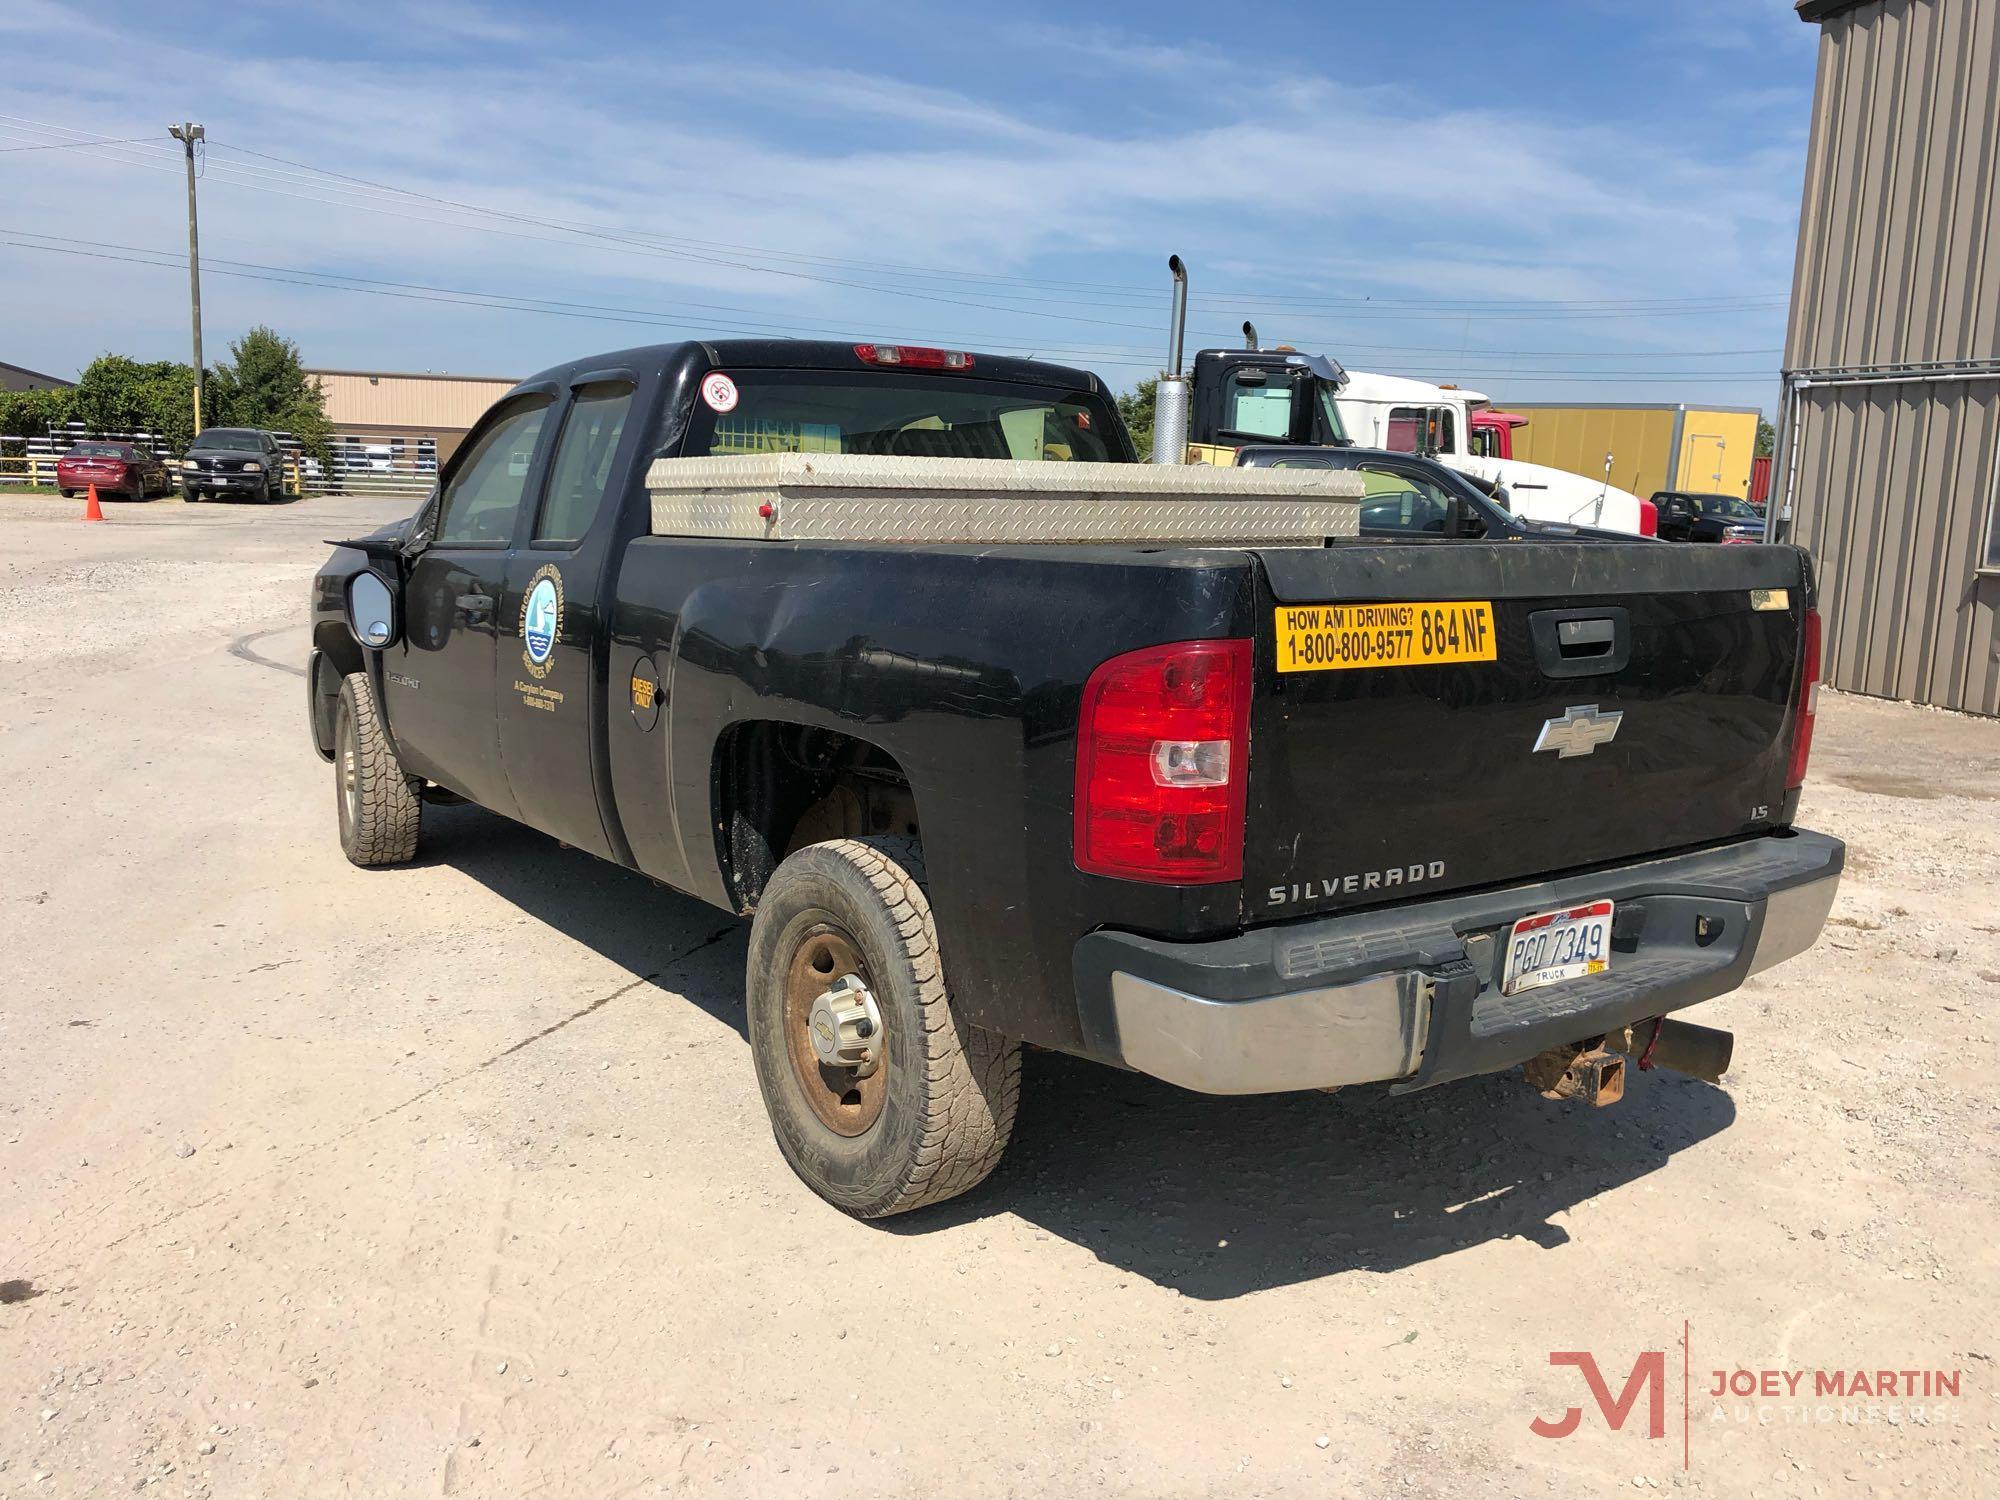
column 1556, row 945
column 1336, row 637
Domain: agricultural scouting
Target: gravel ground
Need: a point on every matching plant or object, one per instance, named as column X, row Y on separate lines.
column 454, row 1180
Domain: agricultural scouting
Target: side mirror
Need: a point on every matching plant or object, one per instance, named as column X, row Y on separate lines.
column 371, row 610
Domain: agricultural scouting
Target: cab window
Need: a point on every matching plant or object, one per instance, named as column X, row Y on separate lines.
column 480, row 502
column 1402, row 502
column 1261, row 408
column 1422, row 429
column 581, row 469
column 904, row 415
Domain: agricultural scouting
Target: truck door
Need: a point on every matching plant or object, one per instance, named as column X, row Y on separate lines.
column 553, row 612
column 438, row 684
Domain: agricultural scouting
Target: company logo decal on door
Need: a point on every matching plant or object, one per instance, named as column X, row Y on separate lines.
column 541, row 620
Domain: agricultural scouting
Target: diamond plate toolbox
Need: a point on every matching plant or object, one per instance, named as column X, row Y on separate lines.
column 851, row 497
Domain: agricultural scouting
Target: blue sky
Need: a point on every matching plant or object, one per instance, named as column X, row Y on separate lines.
column 1572, row 199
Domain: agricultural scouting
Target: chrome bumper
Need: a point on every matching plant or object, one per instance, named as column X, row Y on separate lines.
column 1233, row 1017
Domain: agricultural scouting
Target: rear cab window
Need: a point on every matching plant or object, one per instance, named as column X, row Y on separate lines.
column 908, row 415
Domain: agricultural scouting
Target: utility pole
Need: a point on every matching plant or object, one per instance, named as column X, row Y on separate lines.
column 187, row 134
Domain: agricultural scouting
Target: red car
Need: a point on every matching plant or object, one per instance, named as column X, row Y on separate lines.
column 115, row 468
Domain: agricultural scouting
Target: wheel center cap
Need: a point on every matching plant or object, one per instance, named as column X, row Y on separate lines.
column 846, row 1027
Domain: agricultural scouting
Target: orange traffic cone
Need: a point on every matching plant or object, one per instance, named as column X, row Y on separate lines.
column 92, row 511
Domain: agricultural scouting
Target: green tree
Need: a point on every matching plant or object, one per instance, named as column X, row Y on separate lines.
column 264, row 384
column 1766, row 436
column 26, row 414
column 117, row 394
column 1136, row 407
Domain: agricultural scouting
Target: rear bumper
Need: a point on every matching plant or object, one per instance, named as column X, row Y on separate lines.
column 1412, row 994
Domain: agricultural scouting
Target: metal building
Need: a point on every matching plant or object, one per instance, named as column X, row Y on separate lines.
column 1890, row 417
column 384, row 409
column 16, row 378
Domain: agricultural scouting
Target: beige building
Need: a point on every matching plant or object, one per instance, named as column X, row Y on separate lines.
column 1886, row 447
column 407, row 414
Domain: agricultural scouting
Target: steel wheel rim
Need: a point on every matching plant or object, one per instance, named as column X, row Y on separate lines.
column 846, row 1105
column 350, row 774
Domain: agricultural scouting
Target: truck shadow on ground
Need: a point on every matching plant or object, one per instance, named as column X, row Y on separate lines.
column 1212, row 1197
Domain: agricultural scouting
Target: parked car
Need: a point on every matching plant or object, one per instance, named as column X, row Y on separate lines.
column 244, row 461
column 1002, row 738
column 115, row 468
column 1688, row 516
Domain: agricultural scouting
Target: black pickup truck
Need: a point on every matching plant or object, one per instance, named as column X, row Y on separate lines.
column 996, row 762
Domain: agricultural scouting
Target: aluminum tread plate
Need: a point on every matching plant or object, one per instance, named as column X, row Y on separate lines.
column 859, row 497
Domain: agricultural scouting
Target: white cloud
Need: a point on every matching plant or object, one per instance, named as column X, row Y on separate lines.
column 1309, row 185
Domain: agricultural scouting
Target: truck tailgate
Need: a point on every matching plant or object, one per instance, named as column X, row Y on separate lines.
column 1394, row 751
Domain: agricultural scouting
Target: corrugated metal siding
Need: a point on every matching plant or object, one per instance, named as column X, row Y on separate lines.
column 411, row 403
column 1897, row 265
column 1896, row 260
column 1895, row 484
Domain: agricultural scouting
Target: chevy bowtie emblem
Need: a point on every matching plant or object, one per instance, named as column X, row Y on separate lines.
column 1580, row 730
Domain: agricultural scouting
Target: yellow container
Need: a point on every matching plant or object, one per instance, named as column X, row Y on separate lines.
column 1650, row 447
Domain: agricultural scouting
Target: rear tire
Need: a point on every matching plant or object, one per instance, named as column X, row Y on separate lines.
column 936, row 1117
column 67, row 494
column 379, row 810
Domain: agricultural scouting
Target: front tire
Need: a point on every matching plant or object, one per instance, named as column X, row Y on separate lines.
column 934, row 1117
column 379, row 810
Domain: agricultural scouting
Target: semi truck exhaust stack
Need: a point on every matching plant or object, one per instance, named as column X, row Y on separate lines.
column 1170, row 404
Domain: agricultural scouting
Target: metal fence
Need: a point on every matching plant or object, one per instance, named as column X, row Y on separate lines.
column 357, row 464
column 373, row 464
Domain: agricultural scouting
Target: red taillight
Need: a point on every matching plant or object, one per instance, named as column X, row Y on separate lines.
column 913, row 357
column 1808, row 704
column 1162, row 760
column 1649, row 518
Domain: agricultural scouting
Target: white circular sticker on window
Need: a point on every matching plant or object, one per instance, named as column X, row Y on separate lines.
column 719, row 391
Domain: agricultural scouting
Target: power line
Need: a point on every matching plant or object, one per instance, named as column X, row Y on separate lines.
column 684, row 248
column 497, row 301
column 66, row 145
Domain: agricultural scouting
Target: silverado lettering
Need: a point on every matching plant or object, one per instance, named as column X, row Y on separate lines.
column 1365, row 881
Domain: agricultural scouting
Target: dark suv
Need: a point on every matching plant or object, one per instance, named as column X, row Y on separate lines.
column 1686, row 516
column 242, row 461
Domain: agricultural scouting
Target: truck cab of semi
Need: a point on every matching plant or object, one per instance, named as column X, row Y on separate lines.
column 1279, row 395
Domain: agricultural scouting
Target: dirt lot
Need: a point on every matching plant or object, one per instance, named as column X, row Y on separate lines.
column 453, row 1180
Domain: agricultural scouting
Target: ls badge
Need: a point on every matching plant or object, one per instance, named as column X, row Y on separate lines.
column 1580, row 730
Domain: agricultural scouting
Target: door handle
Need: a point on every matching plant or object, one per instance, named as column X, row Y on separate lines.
column 1581, row 642
column 472, row 605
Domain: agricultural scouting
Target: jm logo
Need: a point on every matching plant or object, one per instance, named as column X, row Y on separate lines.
column 1580, row 730
column 1649, row 1371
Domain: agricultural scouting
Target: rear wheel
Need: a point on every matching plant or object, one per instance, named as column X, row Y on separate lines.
column 379, row 809
column 883, row 1098
column 67, row 494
